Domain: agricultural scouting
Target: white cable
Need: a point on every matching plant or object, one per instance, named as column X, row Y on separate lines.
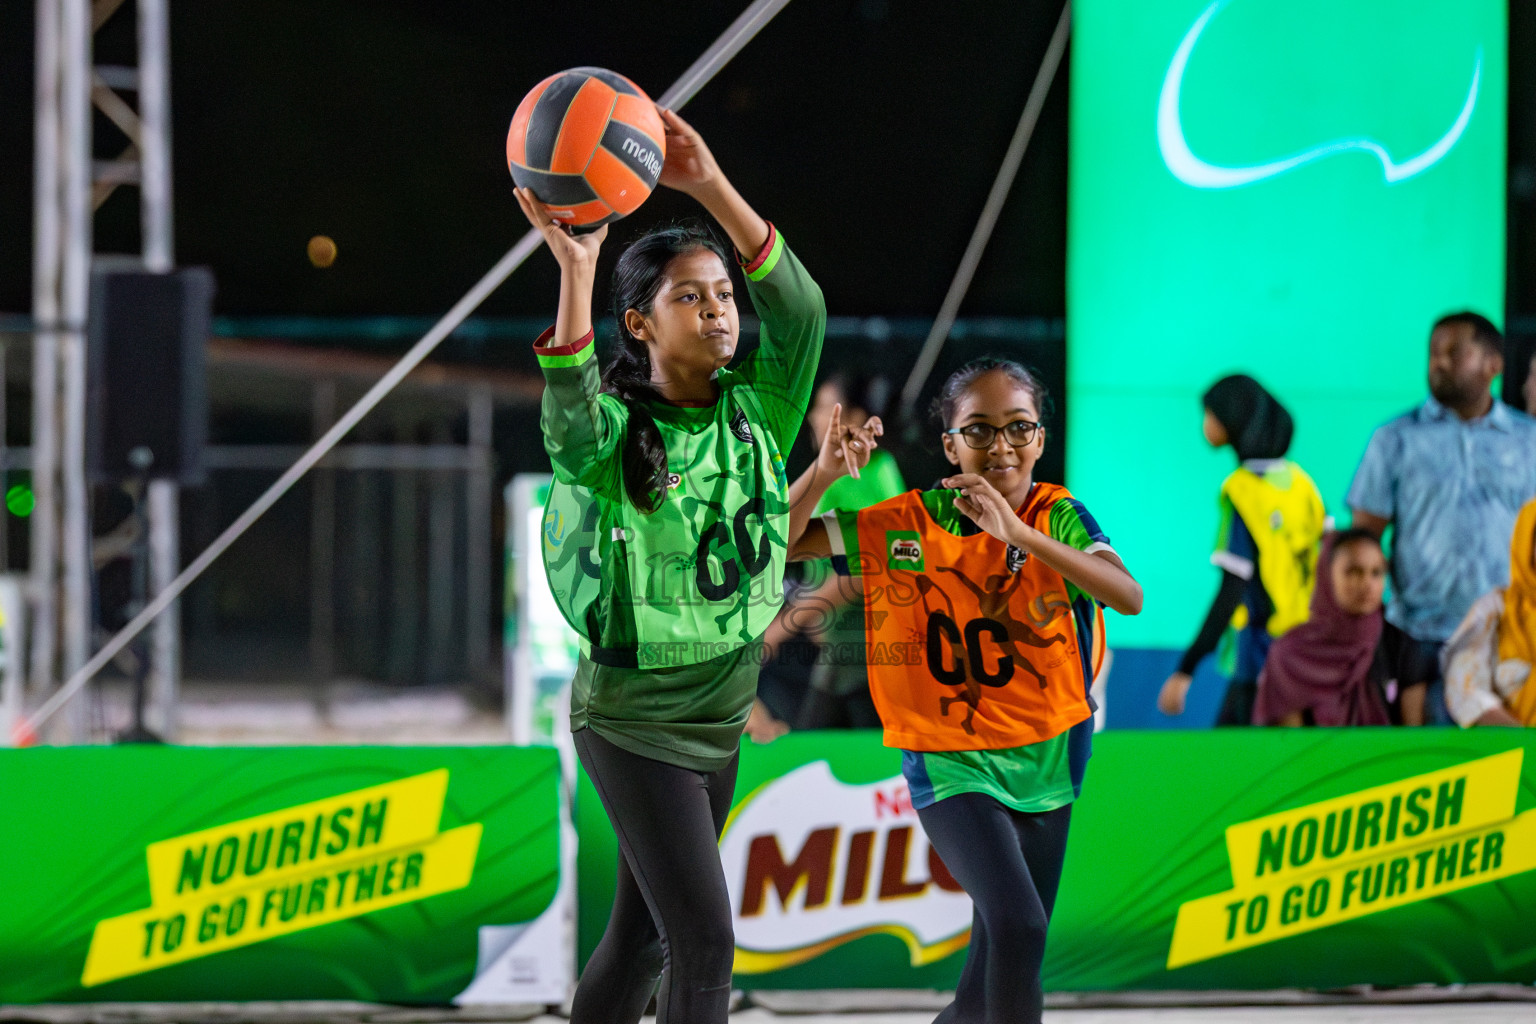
column 1001, row 185
column 740, row 32
column 685, row 88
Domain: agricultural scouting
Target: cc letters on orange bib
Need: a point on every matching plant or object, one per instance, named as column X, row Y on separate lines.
column 973, row 644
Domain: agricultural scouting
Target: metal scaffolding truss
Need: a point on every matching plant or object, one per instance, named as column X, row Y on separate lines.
column 69, row 186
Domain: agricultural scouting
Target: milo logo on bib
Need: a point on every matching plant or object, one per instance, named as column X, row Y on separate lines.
column 906, row 549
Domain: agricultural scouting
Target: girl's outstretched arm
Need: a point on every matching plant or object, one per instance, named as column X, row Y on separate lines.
column 787, row 300
column 582, row 428
column 577, row 256
column 1101, row 575
column 691, row 168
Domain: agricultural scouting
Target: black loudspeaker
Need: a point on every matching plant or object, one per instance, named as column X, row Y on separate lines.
column 146, row 379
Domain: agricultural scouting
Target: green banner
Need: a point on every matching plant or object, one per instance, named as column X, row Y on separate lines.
column 1244, row 859
column 1310, row 858
column 384, row 874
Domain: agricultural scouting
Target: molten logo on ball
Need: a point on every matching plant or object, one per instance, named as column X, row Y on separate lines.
column 589, row 144
column 647, row 157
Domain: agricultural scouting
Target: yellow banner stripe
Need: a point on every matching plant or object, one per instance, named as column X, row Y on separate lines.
column 226, row 918
column 752, row 961
column 1365, row 825
column 1284, row 906
column 297, row 840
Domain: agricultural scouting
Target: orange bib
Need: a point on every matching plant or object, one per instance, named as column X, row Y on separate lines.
column 972, row 644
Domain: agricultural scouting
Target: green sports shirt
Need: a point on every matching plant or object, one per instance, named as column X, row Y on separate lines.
column 879, row 480
column 671, row 604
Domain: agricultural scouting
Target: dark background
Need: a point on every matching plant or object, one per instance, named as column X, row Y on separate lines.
column 865, row 128
column 868, row 130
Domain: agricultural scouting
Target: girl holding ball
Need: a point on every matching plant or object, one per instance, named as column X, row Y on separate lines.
column 673, row 465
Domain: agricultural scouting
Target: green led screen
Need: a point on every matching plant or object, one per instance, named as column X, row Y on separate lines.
column 1293, row 189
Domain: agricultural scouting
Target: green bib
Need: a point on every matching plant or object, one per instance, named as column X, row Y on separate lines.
column 700, row 576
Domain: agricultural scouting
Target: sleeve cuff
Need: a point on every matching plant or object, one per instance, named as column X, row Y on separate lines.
column 1237, row 565
column 563, row 355
column 1467, row 708
column 767, row 257
column 834, row 533
column 1510, row 677
column 838, row 544
column 1368, row 507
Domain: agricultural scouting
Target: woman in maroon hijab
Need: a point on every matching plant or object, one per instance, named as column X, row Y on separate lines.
column 1330, row 670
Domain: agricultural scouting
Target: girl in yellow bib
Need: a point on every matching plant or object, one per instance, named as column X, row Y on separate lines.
column 982, row 616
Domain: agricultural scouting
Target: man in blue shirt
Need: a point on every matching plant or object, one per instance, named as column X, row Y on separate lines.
column 1449, row 477
column 1528, row 392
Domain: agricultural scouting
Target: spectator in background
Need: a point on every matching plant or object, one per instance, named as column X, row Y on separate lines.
column 1448, row 477
column 1487, row 661
column 1333, row 668
column 815, row 607
column 829, row 609
column 1271, row 521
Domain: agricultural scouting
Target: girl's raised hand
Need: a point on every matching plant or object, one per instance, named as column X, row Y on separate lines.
column 848, row 448
column 690, row 165
column 982, row 503
column 572, row 252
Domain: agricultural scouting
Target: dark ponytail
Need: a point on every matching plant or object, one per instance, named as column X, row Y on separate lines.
column 636, row 279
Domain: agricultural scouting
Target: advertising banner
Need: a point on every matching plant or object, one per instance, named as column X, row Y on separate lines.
column 1313, row 858
column 384, row 874
column 1292, row 189
column 831, row 878
column 12, row 632
column 541, row 652
column 541, row 648
column 1235, row 859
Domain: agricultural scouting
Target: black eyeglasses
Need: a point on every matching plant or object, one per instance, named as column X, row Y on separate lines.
column 981, row 435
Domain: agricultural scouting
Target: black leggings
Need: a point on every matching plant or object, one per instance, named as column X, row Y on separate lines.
column 671, row 918
column 1009, row 863
column 1237, row 704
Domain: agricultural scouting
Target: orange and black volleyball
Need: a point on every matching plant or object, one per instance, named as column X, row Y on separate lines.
column 590, row 145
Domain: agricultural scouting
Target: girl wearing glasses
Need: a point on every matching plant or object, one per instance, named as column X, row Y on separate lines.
column 984, row 630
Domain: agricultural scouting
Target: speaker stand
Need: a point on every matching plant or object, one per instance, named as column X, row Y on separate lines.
column 141, row 458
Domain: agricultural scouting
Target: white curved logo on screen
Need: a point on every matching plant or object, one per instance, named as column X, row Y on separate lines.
column 1192, row 170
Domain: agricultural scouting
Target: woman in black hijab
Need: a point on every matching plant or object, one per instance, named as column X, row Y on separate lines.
column 1271, row 523
column 1248, row 418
